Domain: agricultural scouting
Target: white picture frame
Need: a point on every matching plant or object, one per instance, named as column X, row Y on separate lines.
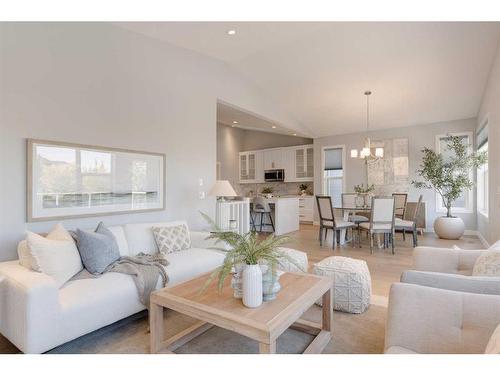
column 70, row 180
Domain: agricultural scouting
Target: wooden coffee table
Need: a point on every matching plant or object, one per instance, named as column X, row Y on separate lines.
column 263, row 324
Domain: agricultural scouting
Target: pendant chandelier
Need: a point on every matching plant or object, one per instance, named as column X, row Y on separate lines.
column 366, row 152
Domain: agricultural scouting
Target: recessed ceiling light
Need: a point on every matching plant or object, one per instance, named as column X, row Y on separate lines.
column 274, row 126
column 231, row 32
column 294, row 134
column 235, row 122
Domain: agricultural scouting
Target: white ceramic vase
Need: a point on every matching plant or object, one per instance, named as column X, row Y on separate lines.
column 252, row 285
column 449, row 228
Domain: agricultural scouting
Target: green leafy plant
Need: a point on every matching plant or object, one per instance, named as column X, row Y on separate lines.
column 245, row 249
column 450, row 176
column 360, row 189
column 267, row 190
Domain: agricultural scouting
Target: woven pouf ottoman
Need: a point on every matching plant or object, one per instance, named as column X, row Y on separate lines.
column 299, row 258
column 352, row 283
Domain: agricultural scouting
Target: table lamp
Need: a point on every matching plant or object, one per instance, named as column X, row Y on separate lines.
column 222, row 189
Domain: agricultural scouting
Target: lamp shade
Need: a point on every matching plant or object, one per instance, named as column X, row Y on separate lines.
column 222, row 188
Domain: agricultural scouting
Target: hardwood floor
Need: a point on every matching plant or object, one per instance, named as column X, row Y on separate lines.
column 384, row 267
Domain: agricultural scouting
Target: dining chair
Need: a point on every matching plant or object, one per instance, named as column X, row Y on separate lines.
column 327, row 220
column 261, row 206
column 409, row 225
column 400, row 204
column 381, row 219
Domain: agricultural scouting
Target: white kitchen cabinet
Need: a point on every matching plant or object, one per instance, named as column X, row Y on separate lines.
column 306, row 208
column 273, row 159
column 304, row 163
column 251, row 167
column 289, row 164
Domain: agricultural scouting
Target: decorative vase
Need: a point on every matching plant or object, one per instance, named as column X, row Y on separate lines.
column 367, row 197
column 270, row 285
column 237, row 282
column 359, row 201
column 252, row 285
column 449, row 228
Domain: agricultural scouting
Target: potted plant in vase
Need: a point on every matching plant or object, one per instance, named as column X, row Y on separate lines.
column 254, row 256
column 450, row 177
column 303, row 189
column 364, row 194
column 267, row 191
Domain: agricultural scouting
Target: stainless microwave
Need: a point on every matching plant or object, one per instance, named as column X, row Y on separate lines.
column 274, row 175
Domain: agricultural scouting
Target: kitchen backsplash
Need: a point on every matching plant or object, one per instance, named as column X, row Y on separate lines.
column 280, row 188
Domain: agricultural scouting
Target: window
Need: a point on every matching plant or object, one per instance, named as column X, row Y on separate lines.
column 482, row 173
column 464, row 203
column 333, row 174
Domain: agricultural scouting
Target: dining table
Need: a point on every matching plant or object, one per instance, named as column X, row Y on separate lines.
column 346, row 210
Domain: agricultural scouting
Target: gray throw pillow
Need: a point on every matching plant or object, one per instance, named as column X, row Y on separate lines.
column 97, row 249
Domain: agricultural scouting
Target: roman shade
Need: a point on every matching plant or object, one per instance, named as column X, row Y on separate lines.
column 333, row 159
column 482, row 136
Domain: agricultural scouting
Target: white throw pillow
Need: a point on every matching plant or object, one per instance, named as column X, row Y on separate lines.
column 27, row 260
column 57, row 258
column 493, row 346
column 23, row 252
column 487, row 264
column 172, row 239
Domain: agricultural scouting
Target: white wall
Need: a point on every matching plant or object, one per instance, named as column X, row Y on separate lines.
column 490, row 110
column 97, row 84
column 419, row 137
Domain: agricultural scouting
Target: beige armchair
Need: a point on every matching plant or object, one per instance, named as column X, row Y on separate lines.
column 449, row 269
column 429, row 320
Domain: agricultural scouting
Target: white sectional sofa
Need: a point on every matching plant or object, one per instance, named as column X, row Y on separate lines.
column 36, row 316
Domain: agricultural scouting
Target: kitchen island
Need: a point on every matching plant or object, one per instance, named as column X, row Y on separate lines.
column 285, row 214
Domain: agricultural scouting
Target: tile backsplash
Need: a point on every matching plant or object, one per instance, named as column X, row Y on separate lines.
column 280, row 188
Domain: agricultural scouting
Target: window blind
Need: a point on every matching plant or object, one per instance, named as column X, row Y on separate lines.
column 333, row 159
column 482, row 136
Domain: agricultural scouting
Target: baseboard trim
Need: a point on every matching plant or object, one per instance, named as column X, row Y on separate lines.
column 479, row 235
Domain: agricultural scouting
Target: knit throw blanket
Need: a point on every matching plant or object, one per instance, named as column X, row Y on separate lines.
column 145, row 269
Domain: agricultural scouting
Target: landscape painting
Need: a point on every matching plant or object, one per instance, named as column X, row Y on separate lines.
column 69, row 180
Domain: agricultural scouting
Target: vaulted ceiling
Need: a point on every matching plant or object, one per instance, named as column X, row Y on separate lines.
column 419, row 72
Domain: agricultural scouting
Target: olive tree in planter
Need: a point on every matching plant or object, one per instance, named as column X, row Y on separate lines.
column 450, row 177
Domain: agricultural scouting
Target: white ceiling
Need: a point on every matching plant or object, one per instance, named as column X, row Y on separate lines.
column 419, row 72
column 227, row 114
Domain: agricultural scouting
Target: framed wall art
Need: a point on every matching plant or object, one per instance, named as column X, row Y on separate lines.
column 67, row 180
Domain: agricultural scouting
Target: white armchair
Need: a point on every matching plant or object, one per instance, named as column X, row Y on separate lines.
column 429, row 320
column 449, row 269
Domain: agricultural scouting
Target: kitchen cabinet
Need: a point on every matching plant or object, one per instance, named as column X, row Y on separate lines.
column 297, row 161
column 304, row 163
column 306, row 208
column 273, row 159
column 251, row 168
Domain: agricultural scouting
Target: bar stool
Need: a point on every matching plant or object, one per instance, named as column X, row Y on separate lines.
column 261, row 206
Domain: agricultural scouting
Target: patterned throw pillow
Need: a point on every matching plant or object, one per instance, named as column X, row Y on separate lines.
column 172, row 239
column 487, row 264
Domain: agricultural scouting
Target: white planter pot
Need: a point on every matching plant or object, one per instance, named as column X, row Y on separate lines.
column 449, row 228
column 252, row 285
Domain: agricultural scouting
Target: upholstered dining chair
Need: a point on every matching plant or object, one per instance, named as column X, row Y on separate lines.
column 400, row 200
column 381, row 219
column 327, row 220
column 409, row 225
